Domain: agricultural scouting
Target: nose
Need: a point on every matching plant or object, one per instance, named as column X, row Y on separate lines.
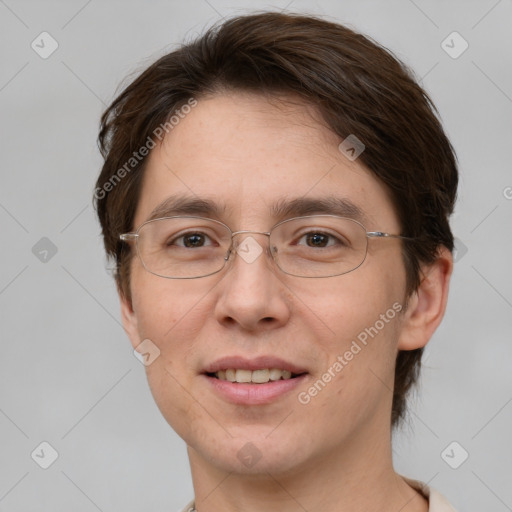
column 252, row 295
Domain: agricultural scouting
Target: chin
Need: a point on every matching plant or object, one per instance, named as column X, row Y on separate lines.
column 251, row 453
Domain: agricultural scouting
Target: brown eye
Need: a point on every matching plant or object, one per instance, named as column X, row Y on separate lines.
column 319, row 239
column 190, row 240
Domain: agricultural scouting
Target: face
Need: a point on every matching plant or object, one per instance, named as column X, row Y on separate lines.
column 339, row 334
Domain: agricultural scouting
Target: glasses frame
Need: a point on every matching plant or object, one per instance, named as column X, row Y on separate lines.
column 134, row 237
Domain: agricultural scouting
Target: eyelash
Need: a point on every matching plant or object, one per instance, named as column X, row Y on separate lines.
column 309, row 233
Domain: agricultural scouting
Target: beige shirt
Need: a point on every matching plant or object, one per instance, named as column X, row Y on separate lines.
column 437, row 502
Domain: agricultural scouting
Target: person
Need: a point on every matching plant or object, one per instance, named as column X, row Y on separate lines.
column 276, row 196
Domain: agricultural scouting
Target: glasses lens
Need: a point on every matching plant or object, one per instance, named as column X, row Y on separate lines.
column 319, row 246
column 183, row 247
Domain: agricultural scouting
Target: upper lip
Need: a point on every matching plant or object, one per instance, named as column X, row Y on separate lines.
column 257, row 363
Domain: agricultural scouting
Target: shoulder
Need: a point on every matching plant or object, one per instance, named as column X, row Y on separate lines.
column 190, row 507
column 437, row 502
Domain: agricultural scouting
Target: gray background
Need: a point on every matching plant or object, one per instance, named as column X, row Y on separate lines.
column 67, row 372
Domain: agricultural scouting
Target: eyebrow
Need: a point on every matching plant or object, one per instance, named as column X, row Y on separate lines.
column 282, row 209
column 317, row 205
column 186, row 205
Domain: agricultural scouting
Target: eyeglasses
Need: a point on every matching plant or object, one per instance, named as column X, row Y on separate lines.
column 184, row 247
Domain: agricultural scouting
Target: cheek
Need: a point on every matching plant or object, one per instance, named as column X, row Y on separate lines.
column 357, row 306
column 360, row 319
column 356, row 383
column 166, row 309
column 170, row 315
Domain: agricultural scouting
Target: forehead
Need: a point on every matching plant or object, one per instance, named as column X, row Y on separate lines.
column 248, row 157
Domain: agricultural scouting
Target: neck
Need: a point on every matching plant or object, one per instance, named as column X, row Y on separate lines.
column 357, row 475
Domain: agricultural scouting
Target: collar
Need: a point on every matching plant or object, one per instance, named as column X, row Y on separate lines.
column 437, row 502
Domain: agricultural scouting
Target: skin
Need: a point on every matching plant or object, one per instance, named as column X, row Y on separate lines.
column 333, row 454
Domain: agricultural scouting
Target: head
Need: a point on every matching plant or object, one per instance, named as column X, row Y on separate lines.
column 248, row 116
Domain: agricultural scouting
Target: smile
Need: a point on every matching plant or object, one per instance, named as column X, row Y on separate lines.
column 260, row 376
column 253, row 381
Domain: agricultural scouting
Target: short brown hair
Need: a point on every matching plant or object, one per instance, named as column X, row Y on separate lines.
column 356, row 85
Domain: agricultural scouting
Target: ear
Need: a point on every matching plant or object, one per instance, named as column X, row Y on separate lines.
column 427, row 304
column 129, row 319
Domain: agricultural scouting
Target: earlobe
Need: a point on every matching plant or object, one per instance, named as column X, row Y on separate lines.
column 129, row 319
column 427, row 305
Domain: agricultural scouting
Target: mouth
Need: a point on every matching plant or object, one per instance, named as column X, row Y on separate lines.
column 260, row 376
column 255, row 381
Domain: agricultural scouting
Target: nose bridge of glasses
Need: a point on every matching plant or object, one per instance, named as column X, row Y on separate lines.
column 247, row 246
column 245, row 231
column 237, row 241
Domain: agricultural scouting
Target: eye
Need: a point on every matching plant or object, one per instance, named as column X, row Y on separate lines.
column 190, row 240
column 320, row 239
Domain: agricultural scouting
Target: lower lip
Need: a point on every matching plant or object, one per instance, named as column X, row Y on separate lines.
column 253, row 394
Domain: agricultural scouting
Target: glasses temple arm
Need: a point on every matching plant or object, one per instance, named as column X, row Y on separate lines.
column 128, row 237
column 381, row 234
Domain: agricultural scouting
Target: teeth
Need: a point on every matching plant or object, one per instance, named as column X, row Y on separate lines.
column 275, row 374
column 243, row 375
column 257, row 376
column 287, row 374
column 260, row 376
